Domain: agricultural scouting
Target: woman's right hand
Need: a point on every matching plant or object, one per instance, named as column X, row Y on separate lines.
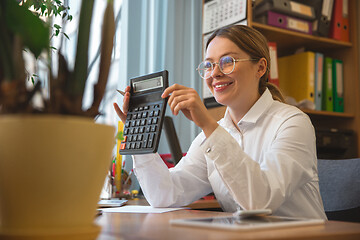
column 122, row 114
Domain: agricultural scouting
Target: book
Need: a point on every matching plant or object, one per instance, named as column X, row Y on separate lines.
column 319, row 65
column 274, row 71
column 338, row 85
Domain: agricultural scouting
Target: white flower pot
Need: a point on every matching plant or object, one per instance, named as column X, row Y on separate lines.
column 52, row 169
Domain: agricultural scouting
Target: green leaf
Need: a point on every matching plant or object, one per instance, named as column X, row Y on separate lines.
column 31, row 29
column 66, row 36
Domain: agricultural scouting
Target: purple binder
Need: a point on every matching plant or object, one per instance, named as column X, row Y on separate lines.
column 287, row 22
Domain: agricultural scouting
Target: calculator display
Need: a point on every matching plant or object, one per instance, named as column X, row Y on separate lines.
column 148, row 84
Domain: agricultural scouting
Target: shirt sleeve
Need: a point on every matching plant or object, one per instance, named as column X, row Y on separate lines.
column 287, row 165
column 178, row 186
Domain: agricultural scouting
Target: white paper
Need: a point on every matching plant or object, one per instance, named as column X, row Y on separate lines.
column 139, row 209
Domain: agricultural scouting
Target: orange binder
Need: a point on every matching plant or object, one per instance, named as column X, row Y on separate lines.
column 274, row 71
column 339, row 29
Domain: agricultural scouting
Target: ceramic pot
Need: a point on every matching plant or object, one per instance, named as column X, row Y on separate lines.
column 52, row 169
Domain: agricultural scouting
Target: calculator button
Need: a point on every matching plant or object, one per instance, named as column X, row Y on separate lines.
column 130, row 138
column 143, row 122
column 127, row 124
column 139, row 137
column 136, row 130
column 147, row 129
column 122, row 146
column 153, row 128
column 139, row 115
column 136, row 109
column 128, row 116
column 154, row 120
column 133, row 116
column 151, row 114
column 126, row 131
column 141, row 108
column 131, row 131
column 156, row 113
column 133, row 123
column 144, row 114
column 146, row 108
column 125, row 138
column 132, row 145
column 141, row 129
column 138, row 122
column 138, row 145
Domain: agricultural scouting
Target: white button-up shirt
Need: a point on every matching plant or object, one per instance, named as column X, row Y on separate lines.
column 269, row 163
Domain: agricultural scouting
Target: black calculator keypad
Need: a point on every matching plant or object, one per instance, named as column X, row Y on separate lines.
column 140, row 127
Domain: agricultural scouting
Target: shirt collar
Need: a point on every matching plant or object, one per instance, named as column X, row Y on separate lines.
column 255, row 112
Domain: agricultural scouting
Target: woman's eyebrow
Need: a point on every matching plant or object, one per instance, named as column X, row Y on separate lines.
column 225, row 54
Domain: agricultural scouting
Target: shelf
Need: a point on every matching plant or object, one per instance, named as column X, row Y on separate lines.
column 290, row 40
column 327, row 113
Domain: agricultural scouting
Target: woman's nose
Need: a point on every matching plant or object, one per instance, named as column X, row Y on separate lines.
column 216, row 71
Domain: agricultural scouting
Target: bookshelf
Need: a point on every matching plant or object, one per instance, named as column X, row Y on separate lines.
column 288, row 41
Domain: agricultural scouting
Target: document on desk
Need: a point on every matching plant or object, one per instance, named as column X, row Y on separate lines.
column 139, row 209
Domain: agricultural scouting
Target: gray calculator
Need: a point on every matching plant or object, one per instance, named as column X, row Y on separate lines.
column 146, row 113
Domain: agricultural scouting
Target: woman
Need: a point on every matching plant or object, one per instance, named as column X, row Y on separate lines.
column 260, row 155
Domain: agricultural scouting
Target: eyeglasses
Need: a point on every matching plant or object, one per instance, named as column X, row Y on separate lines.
column 226, row 66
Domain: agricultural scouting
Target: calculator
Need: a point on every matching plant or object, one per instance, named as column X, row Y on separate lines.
column 145, row 116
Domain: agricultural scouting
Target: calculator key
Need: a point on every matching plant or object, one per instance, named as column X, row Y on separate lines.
column 122, row 146
column 125, row 139
column 141, row 129
column 131, row 131
column 133, row 116
column 153, row 128
column 127, row 124
column 151, row 114
column 139, row 115
column 130, row 138
column 154, row 120
column 143, row 122
column 132, row 145
column 138, row 122
column 146, row 108
column 126, row 131
column 156, row 113
column 136, row 109
column 144, row 114
column 147, row 129
column 141, row 108
column 128, row 116
column 139, row 137
column 138, row 145
column 150, row 140
column 133, row 123
column 136, row 130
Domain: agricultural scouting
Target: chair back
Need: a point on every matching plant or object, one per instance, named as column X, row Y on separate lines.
column 339, row 182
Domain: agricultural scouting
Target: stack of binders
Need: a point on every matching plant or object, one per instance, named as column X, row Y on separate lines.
column 287, row 14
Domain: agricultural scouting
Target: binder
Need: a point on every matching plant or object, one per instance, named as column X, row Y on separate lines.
column 323, row 12
column 338, row 85
column 296, row 75
column 287, row 22
column 339, row 29
column 319, row 65
column 287, row 7
column 328, row 102
column 274, row 71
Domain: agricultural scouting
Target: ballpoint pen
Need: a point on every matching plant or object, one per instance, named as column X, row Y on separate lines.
column 121, row 92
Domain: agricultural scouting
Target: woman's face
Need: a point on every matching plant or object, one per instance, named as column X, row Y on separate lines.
column 240, row 85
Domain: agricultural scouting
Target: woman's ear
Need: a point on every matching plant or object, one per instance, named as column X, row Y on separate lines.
column 262, row 66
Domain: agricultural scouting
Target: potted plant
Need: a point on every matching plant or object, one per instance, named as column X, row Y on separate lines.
column 53, row 160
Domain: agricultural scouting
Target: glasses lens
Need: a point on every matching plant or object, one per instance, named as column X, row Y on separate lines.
column 226, row 64
column 205, row 69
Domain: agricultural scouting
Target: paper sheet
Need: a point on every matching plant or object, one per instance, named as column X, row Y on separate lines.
column 139, row 209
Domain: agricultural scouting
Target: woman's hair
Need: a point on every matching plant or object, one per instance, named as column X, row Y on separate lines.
column 255, row 45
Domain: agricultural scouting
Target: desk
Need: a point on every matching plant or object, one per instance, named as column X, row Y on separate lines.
column 157, row 226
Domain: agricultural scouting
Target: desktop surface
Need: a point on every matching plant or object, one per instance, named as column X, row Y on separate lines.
column 157, row 226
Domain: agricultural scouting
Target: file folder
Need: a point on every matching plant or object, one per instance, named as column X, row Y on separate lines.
column 286, row 22
column 323, row 12
column 287, row 7
column 274, row 71
column 338, row 85
column 296, row 75
column 319, row 65
column 328, row 101
column 339, row 29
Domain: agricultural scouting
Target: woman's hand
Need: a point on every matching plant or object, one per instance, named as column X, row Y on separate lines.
column 122, row 114
column 188, row 101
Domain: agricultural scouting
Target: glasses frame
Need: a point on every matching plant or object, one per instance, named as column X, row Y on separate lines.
column 217, row 63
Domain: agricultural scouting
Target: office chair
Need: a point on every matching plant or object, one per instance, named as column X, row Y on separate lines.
column 172, row 139
column 339, row 182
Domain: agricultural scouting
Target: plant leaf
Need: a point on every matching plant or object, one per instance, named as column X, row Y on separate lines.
column 30, row 28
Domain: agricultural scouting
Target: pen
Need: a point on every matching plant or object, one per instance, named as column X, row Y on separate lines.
column 121, row 92
column 127, row 179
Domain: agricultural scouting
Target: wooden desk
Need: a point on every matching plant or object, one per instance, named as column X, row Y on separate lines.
column 157, row 226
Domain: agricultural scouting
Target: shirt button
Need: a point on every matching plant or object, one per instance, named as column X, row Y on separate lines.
column 208, row 150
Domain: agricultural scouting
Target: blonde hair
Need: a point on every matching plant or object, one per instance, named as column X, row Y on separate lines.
column 255, row 45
